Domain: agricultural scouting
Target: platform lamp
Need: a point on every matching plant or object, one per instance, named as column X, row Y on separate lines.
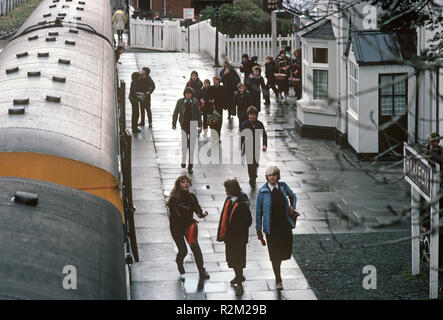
column 216, row 64
column 274, row 30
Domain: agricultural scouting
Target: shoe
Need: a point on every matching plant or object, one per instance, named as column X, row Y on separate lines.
column 135, row 130
column 252, row 184
column 183, row 165
column 150, row 124
column 142, row 124
column 234, row 281
column 204, row 274
column 180, row 267
column 239, row 290
column 190, row 168
column 279, row 285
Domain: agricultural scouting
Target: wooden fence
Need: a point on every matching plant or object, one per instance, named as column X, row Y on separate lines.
column 7, row 5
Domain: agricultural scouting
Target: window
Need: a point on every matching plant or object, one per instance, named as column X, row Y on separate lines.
column 319, row 55
column 393, row 96
column 320, row 84
column 353, row 86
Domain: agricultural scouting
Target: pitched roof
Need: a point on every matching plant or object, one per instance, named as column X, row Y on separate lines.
column 322, row 31
column 376, row 47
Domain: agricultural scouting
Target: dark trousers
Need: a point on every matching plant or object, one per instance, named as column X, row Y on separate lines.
column 145, row 105
column 180, row 242
column 252, row 172
column 218, row 126
column 135, row 113
column 283, row 85
column 120, row 34
column 205, row 120
column 271, row 85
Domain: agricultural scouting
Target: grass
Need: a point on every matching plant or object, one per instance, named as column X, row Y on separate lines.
column 15, row 18
column 408, row 275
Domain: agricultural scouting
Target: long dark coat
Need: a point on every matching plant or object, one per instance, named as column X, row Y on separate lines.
column 237, row 233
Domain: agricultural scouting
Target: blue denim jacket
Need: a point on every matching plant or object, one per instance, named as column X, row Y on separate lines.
column 264, row 206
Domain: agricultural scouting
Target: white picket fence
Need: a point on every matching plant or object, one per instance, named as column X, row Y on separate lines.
column 255, row 45
column 156, row 35
column 169, row 36
column 202, row 37
column 8, row 5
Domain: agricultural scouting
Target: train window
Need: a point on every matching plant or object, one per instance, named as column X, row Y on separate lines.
column 46, row 15
column 62, row 14
column 54, row 1
column 21, row 55
column 59, row 79
column 43, row 54
column 65, row 6
column 42, row 22
column 73, row 31
column 77, row 18
column 34, row 73
column 16, row 110
column 53, row 33
column 81, row 2
column 80, row 8
column 52, row 6
column 70, row 42
column 64, row 61
column 21, row 101
column 51, row 38
column 53, row 98
column 33, row 38
column 11, row 70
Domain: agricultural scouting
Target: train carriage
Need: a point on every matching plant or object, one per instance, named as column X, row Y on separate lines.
column 60, row 138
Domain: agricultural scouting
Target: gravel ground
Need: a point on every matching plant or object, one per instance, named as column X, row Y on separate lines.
column 337, row 274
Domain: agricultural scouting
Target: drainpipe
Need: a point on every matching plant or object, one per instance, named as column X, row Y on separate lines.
column 437, row 97
column 417, row 100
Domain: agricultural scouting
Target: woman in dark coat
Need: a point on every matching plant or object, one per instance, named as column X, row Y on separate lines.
column 196, row 84
column 242, row 101
column 217, row 97
column 277, row 217
column 182, row 205
column 270, row 77
column 254, row 83
column 234, row 224
column 282, row 65
column 230, row 79
column 135, row 101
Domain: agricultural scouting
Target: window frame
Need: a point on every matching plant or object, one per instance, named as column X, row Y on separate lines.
column 351, row 94
column 393, row 95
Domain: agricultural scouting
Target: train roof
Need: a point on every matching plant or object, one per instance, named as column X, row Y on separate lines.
column 66, row 228
column 93, row 15
column 63, row 78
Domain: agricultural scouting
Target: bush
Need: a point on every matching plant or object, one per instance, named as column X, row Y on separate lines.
column 246, row 17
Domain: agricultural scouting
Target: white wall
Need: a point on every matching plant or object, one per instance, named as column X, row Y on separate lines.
column 365, row 140
column 202, row 37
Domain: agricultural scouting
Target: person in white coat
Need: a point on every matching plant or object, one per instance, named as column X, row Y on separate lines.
column 119, row 20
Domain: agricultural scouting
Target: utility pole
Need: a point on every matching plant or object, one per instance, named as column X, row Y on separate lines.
column 216, row 64
column 129, row 24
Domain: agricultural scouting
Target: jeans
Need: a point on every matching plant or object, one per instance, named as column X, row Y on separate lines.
column 179, row 239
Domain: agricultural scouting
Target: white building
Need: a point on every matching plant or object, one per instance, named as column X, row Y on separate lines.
column 357, row 84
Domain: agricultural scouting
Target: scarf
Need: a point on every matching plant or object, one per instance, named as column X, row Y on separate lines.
column 225, row 219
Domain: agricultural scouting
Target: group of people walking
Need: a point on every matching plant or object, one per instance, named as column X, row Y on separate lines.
column 275, row 218
column 203, row 100
column 201, row 108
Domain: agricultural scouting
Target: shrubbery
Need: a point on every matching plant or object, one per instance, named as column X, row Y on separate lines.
column 247, row 17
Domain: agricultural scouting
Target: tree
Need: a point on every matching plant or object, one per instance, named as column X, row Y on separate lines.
column 246, row 17
column 408, row 15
